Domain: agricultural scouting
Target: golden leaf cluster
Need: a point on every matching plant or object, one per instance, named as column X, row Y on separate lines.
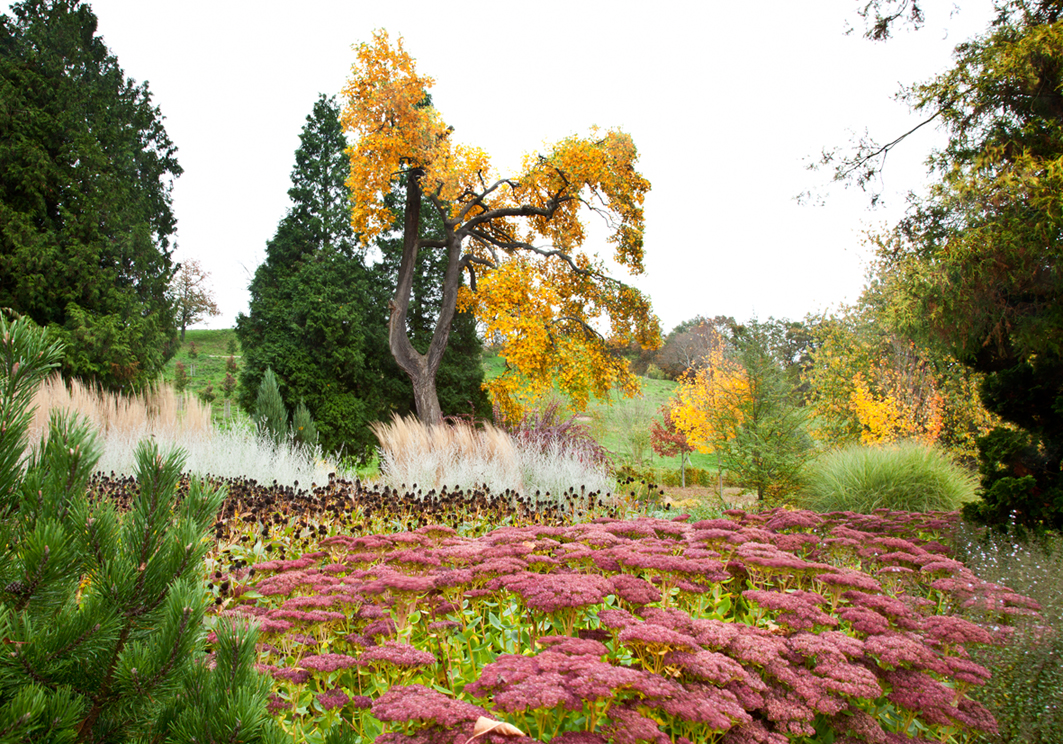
column 707, row 406
column 545, row 319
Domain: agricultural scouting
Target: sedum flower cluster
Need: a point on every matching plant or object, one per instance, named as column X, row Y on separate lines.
column 763, row 627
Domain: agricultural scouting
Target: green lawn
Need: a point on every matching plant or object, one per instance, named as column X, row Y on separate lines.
column 207, row 367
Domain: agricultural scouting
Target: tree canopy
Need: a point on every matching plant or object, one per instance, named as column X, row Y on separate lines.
column 492, row 226
column 85, row 199
column 192, row 297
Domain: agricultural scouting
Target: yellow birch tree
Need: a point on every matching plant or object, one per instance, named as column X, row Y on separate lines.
column 708, row 403
column 519, row 239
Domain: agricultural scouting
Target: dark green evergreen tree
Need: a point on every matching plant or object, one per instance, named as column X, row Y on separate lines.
column 318, row 314
column 85, row 204
column 314, row 316
column 101, row 612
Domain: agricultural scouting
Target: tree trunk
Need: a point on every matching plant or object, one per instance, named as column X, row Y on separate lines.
column 422, row 367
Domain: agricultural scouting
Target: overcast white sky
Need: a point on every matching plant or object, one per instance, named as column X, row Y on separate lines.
column 726, row 102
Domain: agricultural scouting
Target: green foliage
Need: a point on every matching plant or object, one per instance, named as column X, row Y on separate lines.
column 630, row 427
column 103, row 613
column 270, row 414
column 85, row 215
column 207, row 394
column 905, row 477
column 771, row 446
column 977, row 260
column 215, row 703
column 180, row 377
column 303, row 429
column 1012, row 466
column 228, row 385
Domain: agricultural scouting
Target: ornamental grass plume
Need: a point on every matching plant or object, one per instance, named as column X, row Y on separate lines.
column 907, row 477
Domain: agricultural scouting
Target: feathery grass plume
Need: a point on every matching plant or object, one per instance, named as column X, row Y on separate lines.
column 902, row 477
column 230, row 452
column 157, row 412
column 446, row 455
column 462, row 455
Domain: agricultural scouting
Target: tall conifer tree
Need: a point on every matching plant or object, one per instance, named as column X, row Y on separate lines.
column 85, row 207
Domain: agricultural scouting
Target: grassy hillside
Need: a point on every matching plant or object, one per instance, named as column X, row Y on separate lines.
column 207, row 367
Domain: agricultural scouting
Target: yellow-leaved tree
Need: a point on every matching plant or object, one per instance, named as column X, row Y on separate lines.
column 739, row 405
column 518, row 239
column 708, row 404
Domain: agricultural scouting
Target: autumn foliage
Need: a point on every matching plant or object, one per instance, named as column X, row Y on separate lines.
column 870, row 386
column 519, row 240
column 708, row 402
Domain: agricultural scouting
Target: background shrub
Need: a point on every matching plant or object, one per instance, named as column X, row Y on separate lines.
column 906, row 477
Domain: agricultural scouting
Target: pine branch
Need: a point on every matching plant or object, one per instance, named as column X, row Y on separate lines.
column 73, row 644
column 17, row 724
column 26, row 591
column 33, row 673
column 186, row 615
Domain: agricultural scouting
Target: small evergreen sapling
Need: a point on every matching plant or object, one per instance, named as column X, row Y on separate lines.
column 304, row 430
column 270, row 414
column 102, row 614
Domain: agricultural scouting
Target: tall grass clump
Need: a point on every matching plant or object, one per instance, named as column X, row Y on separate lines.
column 237, row 451
column 904, row 477
column 1025, row 693
column 462, row 455
column 158, row 412
column 179, row 421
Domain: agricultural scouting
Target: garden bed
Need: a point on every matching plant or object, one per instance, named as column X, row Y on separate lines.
column 758, row 628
